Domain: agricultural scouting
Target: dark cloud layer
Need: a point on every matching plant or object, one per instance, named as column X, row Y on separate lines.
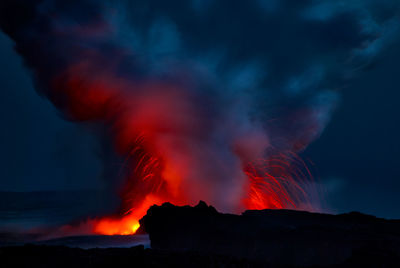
column 290, row 57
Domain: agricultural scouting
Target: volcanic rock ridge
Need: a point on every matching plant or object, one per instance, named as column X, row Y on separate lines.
column 284, row 237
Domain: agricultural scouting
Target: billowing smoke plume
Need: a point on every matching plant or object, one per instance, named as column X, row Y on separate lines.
column 195, row 93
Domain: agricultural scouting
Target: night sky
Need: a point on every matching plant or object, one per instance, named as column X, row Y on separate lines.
column 355, row 152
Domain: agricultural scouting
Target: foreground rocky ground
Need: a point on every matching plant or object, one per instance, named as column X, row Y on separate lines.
column 202, row 237
column 60, row 256
column 282, row 237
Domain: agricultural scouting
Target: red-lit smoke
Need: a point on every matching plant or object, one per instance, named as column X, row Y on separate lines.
column 178, row 143
column 169, row 149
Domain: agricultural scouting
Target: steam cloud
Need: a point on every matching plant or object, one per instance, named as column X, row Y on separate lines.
column 206, row 86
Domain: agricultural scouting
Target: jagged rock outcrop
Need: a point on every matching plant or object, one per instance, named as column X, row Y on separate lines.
column 277, row 236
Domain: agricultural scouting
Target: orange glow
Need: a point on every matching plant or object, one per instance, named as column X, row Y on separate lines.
column 126, row 225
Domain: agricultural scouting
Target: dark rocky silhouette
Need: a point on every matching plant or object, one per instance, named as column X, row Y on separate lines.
column 276, row 236
column 200, row 236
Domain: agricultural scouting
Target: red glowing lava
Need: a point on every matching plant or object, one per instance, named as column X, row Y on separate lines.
column 127, row 224
column 275, row 183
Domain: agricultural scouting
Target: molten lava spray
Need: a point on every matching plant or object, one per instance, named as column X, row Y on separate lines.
column 184, row 134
